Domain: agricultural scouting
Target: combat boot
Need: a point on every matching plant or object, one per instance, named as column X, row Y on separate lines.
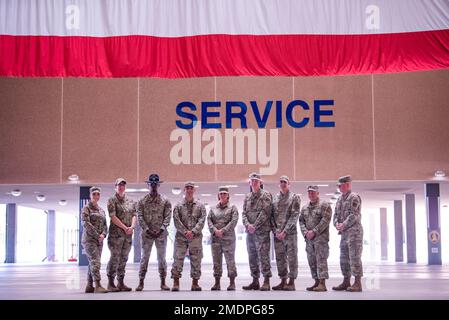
column 195, row 286
column 317, row 282
column 216, row 286
column 90, row 286
column 344, row 285
column 122, row 286
column 231, row 286
column 266, row 284
column 163, row 285
column 111, row 285
column 290, row 286
column 253, row 285
column 141, row 285
column 175, row 284
column 99, row 288
column 321, row 287
column 281, row 285
column 357, row 286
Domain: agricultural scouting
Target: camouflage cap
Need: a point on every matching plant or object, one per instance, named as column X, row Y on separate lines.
column 94, row 189
column 284, row 178
column 254, row 176
column 223, row 189
column 189, row 184
column 344, row 179
column 312, row 188
column 119, row 181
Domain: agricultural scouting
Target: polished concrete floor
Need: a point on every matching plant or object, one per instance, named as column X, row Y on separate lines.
column 381, row 281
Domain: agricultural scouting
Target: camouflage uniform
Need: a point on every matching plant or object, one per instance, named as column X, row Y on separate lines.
column 154, row 214
column 285, row 212
column 94, row 224
column 188, row 216
column 257, row 211
column 316, row 217
column 223, row 217
column 347, row 211
column 119, row 242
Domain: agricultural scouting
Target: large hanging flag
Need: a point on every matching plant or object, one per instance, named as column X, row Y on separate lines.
column 201, row 38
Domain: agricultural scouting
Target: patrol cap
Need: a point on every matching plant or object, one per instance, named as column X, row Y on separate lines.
column 94, row 189
column 189, row 184
column 119, row 181
column 312, row 188
column 284, row 178
column 223, row 189
column 254, row 176
column 154, row 178
column 344, row 179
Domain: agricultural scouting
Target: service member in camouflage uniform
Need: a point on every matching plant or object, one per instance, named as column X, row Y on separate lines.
column 123, row 220
column 314, row 222
column 284, row 218
column 256, row 219
column 154, row 214
column 348, row 221
column 94, row 232
column 221, row 221
column 189, row 217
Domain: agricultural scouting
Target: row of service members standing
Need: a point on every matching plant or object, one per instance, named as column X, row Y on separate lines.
column 262, row 216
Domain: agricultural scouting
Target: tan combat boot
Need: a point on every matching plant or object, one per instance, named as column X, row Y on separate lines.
column 357, row 286
column 321, row 287
column 122, row 286
column 111, row 285
column 195, row 286
column 175, row 284
column 343, row 286
column 253, row 285
column 163, row 285
column 141, row 285
column 281, row 285
column 216, row 286
column 290, row 286
column 90, row 286
column 99, row 288
column 231, row 286
column 266, row 284
column 313, row 286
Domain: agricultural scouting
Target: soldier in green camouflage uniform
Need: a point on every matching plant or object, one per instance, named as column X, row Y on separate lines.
column 222, row 220
column 256, row 219
column 123, row 221
column 154, row 214
column 285, row 212
column 94, row 232
column 189, row 217
column 348, row 221
column 314, row 222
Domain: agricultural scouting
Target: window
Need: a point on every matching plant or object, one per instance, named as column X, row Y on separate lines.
column 31, row 235
column 2, row 233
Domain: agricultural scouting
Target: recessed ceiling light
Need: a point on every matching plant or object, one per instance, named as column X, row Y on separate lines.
column 16, row 192
column 232, row 186
column 176, row 191
column 322, row 185
column 205, row 194
column 73, row 178
column 62, row 202
column 40, row 197
column 440, row 174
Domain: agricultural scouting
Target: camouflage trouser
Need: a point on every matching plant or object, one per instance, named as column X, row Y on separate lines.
column 119, row 247
column 226, row 247
column 161, row 247
column 258, row 246
column 195, row 247
column 317, row 253
column 351, row 247
column 93, row 252
column 287, row 256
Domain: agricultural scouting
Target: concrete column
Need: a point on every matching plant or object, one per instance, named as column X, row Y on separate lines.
column 372, row 236
column 398, row 232
column 137, row 243
column 11, row 233
column 410, row 227
column 383, row 234
column 433, row 223
column 84, row 199
column 51, row 237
